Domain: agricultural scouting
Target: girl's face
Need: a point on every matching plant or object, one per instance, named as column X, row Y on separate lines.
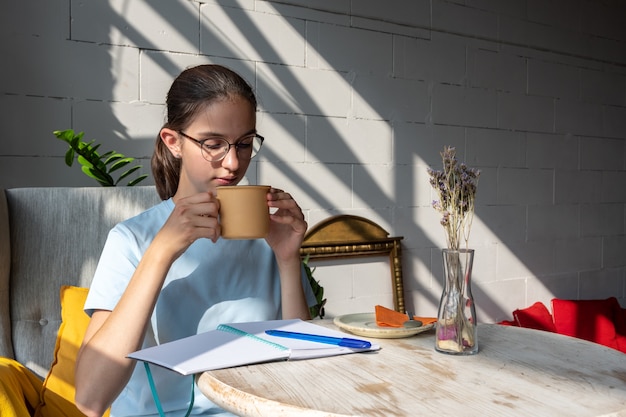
column 232, row 119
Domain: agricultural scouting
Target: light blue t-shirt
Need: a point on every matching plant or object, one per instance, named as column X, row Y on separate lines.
column 210, row 284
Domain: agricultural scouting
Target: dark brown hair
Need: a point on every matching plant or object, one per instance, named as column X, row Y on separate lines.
column 193, row 90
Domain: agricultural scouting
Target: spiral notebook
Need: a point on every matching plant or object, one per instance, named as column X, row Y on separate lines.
column 237, row 344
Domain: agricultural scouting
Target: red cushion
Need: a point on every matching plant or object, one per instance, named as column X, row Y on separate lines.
column 620, row 341
column 620, row 328
column 507, row 323
column 586, row 319
column 619, row 317
column 536, row 317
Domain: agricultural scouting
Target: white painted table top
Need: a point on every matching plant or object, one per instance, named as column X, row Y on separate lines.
column 517, row 372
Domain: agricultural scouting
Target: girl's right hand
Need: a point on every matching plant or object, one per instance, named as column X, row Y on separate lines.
column 193, row 217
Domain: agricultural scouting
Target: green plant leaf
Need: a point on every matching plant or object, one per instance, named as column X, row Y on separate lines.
column 84, row 162
column 84, row 149
column 96, row 175
column 120, row 164
column 74, row 141
column 137, row 180
column 318, row 290
column 99, row 164
column 69, row 157
column 94, row 149
column 111, row 157
column 127, row 173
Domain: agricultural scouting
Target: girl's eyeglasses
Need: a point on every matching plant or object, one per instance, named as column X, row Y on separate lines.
column 215, row 149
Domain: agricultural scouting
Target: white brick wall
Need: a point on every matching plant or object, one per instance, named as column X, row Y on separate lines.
column 357, row 99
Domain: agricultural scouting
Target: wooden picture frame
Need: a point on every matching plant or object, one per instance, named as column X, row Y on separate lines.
column 345, row 236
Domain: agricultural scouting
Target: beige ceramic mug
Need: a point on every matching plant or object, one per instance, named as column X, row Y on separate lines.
column 244, row 213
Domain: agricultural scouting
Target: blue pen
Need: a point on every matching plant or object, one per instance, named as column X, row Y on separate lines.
column 339, row 341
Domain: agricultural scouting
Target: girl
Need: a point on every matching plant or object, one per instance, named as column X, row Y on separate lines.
column 165, row 274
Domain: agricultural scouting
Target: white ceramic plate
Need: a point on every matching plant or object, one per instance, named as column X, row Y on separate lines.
column 364, row 324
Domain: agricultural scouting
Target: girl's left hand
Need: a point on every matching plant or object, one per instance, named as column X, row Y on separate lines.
column 287, row 227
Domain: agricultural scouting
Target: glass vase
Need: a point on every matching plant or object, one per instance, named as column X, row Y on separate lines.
column 456, row 331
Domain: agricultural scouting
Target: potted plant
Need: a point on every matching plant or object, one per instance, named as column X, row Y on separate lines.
column 100, row 167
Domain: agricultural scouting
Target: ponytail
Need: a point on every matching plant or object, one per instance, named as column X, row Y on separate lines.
column 165, row 170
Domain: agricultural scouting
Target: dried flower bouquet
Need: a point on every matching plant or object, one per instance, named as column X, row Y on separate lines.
column 456, row 187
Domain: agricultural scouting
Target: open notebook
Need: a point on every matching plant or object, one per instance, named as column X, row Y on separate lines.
column 237, row 344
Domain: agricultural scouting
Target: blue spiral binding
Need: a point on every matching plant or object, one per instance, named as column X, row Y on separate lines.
column 227, row 328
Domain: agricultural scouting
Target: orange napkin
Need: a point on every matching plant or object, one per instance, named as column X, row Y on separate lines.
column 386, row 317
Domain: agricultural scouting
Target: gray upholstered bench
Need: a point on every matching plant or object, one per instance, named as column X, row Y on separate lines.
column 51, row 237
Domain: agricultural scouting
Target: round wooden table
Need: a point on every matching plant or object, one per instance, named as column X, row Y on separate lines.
column 517, row 372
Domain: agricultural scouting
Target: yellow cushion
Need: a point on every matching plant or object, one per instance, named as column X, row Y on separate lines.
column 57, row 396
